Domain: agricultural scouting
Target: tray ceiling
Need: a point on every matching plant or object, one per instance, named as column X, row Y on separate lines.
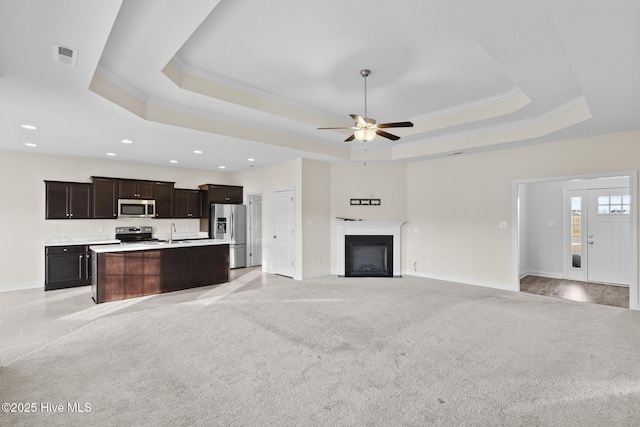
column 238, row 79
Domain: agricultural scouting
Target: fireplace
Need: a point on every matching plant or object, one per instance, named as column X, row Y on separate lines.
column 368, row 256
column 385, row 247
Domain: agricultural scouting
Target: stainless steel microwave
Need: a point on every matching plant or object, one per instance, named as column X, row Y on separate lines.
column 136, row 208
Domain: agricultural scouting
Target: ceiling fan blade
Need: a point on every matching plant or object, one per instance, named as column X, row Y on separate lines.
column 358, row 119
column 351, row 138
column 349, row 127
column 387, row 135
column 396, row 125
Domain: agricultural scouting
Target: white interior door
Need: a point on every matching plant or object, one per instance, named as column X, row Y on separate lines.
column 609, row 236
column 283, row 232
column 255, row 229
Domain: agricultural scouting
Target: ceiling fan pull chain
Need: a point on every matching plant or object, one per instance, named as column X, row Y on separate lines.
column 365, row 153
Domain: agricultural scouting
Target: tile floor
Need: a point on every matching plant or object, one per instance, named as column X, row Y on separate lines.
column 32, row 318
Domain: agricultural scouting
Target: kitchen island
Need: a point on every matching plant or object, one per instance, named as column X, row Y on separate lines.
column 138, row 269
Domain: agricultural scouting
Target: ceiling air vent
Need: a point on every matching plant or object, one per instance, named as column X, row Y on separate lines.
column 65, row 55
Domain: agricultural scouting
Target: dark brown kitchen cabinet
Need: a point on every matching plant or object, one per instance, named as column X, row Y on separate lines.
column 164, row 199
column 68, row 200
column 188, row 203
column 105, row 197
column 66, row 267
column 229, row 194
column 129, row 274
column 133, row 189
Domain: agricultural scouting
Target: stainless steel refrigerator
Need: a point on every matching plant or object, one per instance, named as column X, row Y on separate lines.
column 229, row 222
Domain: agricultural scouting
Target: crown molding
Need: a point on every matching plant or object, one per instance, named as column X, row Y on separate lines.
column 214, row 85
column 563, row 116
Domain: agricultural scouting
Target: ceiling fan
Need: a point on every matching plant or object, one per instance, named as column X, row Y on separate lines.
column 366, row 128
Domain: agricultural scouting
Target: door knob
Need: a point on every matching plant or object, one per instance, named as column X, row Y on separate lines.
column 275, row 237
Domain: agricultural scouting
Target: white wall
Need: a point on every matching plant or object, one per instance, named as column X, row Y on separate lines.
column 384, row 181
column 266, row 180
column 544, row 229
column 316, row 218
column 453, row 206
column 23, row 207
column 457, row 204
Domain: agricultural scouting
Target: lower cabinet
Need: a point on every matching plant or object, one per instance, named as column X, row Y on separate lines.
column 130, row 274
column 66, row 267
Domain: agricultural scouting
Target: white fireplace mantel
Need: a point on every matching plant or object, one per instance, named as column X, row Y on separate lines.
column 382, row 228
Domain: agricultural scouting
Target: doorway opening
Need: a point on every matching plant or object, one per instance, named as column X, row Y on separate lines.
column 581, row 229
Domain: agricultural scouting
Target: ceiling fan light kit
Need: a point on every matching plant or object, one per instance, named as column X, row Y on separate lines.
column 364, row 134
column 365, row 128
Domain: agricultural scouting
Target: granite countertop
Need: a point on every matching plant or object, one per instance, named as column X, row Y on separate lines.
column 145, row 246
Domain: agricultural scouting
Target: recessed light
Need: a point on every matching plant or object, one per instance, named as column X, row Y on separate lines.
column 30, row 144
column 173, row 161
column 111, row 154
column 222, row 167
column 30, row 127
column 251, row 160
column 197, row 151
column 126, row 141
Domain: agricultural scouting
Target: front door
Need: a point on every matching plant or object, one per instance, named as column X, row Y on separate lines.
column 609, row 236
column 283, row 232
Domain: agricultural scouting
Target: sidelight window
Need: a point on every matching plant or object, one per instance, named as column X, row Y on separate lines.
column 576, row 232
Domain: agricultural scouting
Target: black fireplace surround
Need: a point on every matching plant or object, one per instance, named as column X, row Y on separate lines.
column 368, row 256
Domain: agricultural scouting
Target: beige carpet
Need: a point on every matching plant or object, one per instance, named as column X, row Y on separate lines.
column 342, row 352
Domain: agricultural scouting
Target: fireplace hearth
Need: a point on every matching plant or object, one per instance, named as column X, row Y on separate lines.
column 368, row 256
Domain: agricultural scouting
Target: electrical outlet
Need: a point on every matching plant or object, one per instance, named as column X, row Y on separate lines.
column 503, row 224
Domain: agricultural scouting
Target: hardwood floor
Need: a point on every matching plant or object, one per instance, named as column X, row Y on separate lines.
column 617, row 296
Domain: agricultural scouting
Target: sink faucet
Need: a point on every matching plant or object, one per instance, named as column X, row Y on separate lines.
column 172, row 228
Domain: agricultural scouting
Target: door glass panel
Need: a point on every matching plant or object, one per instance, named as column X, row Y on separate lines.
column 614, row 204
column 576, row 232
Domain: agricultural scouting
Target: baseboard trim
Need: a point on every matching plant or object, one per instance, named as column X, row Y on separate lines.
column 541, row 273
column 8, row 287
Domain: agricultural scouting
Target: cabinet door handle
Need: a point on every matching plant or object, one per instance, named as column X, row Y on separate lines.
column 71, row 214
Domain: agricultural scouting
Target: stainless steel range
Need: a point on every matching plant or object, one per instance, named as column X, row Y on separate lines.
column 135, row 234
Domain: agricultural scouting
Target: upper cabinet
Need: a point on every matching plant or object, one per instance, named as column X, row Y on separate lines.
column 188, row 203
column 68, row 200
column 99, row 199
column 105, row 197
column 229, row 194
column 165, row 197
column 132, row 189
